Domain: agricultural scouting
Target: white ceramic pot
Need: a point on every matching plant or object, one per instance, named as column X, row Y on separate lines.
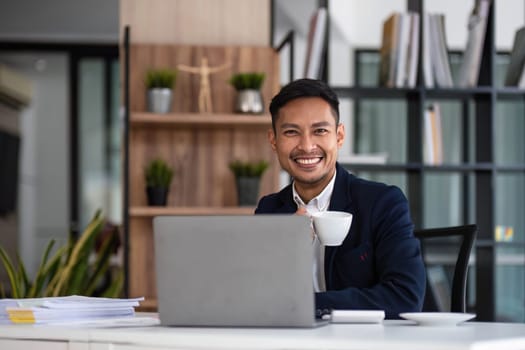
column 159, row 100
column 249, row 101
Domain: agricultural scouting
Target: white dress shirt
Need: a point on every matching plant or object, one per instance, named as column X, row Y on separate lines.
column 317, row 204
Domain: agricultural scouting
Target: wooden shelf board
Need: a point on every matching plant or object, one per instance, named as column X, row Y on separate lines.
column 198, row 119
column 156, row 211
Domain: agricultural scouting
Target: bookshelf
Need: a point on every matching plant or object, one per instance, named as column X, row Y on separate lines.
column 475, row 182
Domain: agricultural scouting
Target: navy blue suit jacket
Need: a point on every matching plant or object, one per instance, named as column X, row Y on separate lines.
column 379, row 264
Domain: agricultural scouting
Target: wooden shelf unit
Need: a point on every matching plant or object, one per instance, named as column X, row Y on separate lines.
column 199, row 146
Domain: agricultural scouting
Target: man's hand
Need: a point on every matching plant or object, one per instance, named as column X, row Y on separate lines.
column 303, row 211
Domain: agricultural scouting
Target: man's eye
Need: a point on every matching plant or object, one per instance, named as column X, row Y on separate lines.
column 290, row 132
column 320, row 131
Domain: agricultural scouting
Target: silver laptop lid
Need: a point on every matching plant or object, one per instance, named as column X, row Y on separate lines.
column 234, row 270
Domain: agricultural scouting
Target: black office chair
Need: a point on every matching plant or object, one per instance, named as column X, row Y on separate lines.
column 467, row 234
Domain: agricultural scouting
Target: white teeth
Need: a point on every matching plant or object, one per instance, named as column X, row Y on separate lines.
column 307, row 161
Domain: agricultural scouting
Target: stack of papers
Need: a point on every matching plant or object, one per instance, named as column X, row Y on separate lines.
column 65, row 309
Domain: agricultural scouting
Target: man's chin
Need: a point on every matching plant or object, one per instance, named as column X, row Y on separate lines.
column 308, row 180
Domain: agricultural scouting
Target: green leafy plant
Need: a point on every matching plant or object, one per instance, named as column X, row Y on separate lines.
column 158, row 174
column 161, row 78
column 74, row 268
column 243, row 81
column 248, row 169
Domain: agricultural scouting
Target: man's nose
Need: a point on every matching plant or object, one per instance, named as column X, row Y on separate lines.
column 307, row 143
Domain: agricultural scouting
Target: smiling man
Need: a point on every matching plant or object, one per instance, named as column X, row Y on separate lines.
column 378, row 266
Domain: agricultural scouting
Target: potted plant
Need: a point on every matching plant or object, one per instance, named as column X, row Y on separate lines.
column 247, row 179
column 159, row 83
column 249, row 97
column 158, row 179
column 78, row 267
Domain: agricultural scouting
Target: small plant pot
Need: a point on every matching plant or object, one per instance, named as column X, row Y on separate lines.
column 247, row 190
column 249, row 101
column 159, row 100
column 157, row 196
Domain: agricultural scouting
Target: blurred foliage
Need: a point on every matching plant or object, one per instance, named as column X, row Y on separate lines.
column 248, row 169
column 161, row 78
column 243, row 81
column 158, row 174
column 77, row 267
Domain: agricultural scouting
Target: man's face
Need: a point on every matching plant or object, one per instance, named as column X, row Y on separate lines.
column 306, row 140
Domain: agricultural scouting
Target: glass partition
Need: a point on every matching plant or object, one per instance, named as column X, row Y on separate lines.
column 99, row 144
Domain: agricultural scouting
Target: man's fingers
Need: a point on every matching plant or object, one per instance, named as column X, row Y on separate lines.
column 301, row 211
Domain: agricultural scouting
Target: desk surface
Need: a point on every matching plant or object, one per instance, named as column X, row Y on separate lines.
column 389, row 335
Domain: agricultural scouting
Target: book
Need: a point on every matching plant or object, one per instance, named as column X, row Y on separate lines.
column 477, row 25
column 513, row 76
column 413, row 50
column 428, row 73
column 437, row 70
column 316, row 44
column 439, row 52
column 432, row 136
column 389, row 50
column 403, row 43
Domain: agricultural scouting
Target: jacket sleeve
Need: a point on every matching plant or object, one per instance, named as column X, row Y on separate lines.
column 398, row 265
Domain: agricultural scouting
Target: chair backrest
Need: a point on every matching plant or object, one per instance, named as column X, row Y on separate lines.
column 467, row 233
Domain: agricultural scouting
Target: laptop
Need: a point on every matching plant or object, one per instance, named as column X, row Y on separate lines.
column 234, row 271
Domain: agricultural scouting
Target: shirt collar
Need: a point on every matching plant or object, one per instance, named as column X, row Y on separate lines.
column 321, row 201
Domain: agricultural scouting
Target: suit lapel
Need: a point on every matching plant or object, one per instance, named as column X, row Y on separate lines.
column 286, row 197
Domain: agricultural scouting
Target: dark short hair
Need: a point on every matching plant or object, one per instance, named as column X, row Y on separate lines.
column 304, row 88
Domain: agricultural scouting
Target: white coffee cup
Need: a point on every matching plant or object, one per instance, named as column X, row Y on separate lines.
column 331, row 226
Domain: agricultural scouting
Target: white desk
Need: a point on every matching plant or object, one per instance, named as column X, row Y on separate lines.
column 391, row 335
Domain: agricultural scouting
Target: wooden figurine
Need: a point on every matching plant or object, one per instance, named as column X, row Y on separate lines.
column 205, row 103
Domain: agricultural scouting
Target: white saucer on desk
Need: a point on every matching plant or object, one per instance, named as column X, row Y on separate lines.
column 437, row 318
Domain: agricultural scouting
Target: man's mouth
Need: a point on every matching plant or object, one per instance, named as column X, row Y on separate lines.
column 308, row 161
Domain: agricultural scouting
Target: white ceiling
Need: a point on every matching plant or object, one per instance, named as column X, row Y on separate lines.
column 93, row 21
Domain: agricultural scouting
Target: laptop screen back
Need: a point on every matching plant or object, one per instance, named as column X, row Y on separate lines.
column 234, row 270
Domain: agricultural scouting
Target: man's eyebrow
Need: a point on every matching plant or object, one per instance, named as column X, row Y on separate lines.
column 289, row 126
column 296, row 126
column 323, row 123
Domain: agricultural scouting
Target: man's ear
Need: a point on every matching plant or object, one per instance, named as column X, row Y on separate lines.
column 340, row 134
column 271, row 139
